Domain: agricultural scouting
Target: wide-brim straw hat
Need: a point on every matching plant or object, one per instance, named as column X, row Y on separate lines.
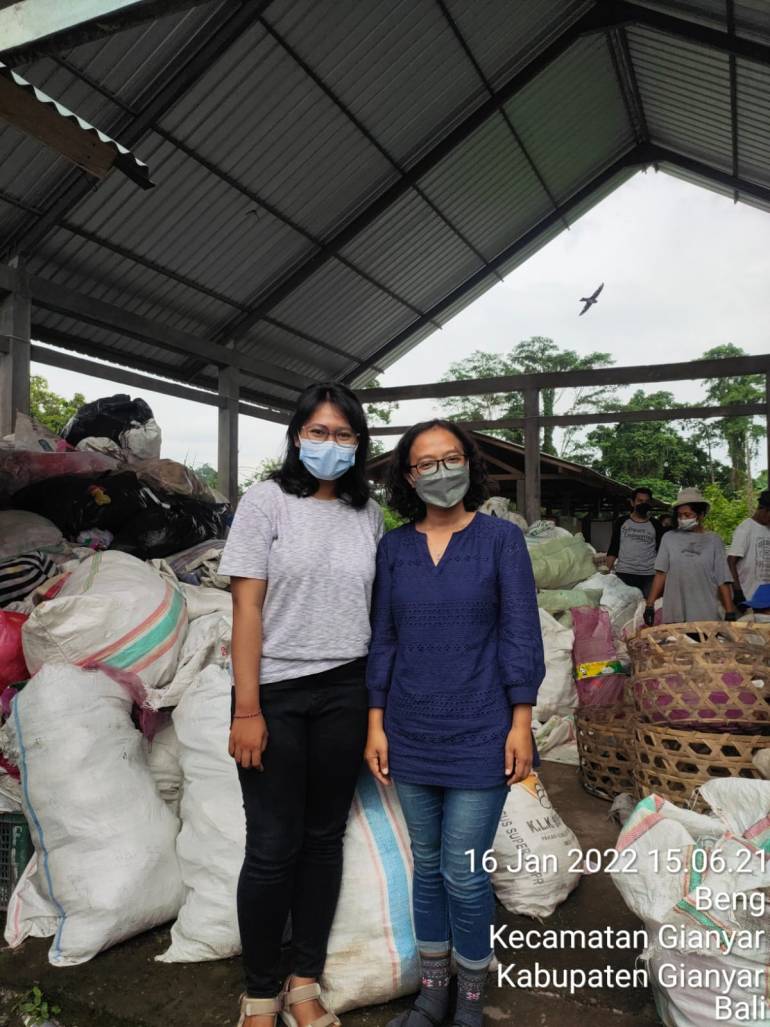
column 691, row 496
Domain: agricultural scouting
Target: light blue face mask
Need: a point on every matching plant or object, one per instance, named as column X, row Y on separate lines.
column 326, row 461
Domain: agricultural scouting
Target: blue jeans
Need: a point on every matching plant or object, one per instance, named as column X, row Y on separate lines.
column 452, row 900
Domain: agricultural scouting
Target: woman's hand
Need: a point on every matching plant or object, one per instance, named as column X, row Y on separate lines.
column 248, row 740
column 518, row 753
column 376, row 754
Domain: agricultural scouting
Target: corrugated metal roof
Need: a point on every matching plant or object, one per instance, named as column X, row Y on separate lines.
column 302, row 127
column 685, row 90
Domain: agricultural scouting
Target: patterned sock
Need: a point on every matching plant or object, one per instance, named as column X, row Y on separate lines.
column 469, row 1011
column 432, row 1004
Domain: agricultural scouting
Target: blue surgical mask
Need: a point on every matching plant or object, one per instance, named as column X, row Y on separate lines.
column 326, row 461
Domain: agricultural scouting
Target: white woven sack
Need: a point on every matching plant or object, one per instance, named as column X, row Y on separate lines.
column 372, row 955
column 557, row 694
column 114, row 610
column 106, row 864
column 212, row 840
column 531, row 827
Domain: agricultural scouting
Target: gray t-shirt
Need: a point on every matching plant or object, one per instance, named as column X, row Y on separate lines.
column 318, row 558
column 695, row 565
column 636, row 554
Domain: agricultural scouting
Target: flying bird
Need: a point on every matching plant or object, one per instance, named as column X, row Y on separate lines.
column 590, row 300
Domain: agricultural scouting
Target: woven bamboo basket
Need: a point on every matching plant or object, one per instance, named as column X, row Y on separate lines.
column 706, row 676
column 605, row 746
column 673, row 762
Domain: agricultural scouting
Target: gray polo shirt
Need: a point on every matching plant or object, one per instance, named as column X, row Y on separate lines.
column 637, row 548
column 318, row 558
column 695, row 564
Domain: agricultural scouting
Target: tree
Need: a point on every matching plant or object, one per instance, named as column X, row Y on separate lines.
column 377, row 413
column 542, row 354
column 740, row 434
column 725, row 513
column 528, row 357
column 643, row 452
column 48, row 407
column 207, row 474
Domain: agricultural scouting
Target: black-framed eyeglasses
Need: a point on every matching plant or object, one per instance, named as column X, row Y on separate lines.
column 453, row 462
column 320, row 433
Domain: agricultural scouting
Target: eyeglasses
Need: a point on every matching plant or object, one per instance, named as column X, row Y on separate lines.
column 320, row 433
column 452, row 463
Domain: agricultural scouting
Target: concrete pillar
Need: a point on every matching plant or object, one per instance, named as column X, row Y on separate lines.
column 767, row 425
column 532, row 453
column 15, row 318
column 227, row 439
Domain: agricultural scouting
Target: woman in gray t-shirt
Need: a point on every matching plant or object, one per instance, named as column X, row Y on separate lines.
column 691, row 571
column 301, row 556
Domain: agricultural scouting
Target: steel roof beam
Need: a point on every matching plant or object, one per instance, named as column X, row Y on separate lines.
column 225, row 26
column 466, row 48
column 654, row 154
column 592, row 21
column 623, row 12
column 730, row 9
column 623, row 163
column 61, row 300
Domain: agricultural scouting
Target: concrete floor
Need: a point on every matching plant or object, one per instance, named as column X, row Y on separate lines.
column 123, row 987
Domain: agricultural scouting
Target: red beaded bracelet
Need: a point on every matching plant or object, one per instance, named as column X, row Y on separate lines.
column 245, row 716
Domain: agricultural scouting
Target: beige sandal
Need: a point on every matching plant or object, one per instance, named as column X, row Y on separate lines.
column 259, row 1007
column 306, row 993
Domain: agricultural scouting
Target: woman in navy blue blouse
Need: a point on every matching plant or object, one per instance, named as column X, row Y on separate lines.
column 455, row 662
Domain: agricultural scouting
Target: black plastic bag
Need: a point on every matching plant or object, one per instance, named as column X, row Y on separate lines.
column 106, row 418
column 172, row 524
column 76, row 502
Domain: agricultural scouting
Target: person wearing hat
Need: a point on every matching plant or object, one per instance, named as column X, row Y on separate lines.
column 749, row 552
column 691, row 570
column 759, row 604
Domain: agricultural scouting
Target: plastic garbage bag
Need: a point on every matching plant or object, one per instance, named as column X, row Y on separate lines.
column 599, row 673
column 107, row 417
column 12, row 665
column 22, row 531
column 20, row 469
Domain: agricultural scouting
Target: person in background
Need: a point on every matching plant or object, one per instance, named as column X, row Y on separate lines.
column 759, row 605
column 454, row 667
column 691, row 571
column 635, row 542
column 301, row 555
column 749, row 553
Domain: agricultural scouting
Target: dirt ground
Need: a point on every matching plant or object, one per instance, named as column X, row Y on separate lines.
column 124, row 987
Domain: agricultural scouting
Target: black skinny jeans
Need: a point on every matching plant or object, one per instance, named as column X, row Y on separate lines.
column 296, row 814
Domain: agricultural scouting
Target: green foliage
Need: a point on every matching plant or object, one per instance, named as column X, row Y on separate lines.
column 392, row 519
column 725, row 513
column 740, row 434
column 377, row 413
column 529, row 356
column 48, row 407
column 263, row 472
column 637, row 452
column 36, row 1007
column 207, row 474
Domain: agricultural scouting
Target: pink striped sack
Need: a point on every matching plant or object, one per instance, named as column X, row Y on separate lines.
column 115, row 612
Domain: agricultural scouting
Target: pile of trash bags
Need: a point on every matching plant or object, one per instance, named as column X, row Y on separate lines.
column 100, row 484
column 586, row 616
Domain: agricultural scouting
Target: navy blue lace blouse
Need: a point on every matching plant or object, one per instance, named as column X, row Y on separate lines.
column 454, row 647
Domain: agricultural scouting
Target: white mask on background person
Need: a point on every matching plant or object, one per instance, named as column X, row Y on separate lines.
column 687, row 523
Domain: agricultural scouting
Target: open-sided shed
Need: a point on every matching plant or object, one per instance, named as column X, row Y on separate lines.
column 336, row 179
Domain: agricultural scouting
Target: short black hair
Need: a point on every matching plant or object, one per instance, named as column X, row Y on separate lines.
column 642, row 489
column 697, row 508
column 293, row 476
column 402, row 498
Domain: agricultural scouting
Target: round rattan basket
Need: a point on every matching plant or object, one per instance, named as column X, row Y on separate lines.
column 706, row 676
column 673, row 762
column 605, row 747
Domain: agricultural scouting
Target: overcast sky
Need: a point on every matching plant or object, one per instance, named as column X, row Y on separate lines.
column 684, row 270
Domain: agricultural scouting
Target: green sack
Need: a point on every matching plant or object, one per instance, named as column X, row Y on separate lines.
column 562, row 562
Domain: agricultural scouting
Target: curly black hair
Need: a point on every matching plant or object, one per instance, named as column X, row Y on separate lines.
column 293, row 476
column 699, row 509
column 402, row 497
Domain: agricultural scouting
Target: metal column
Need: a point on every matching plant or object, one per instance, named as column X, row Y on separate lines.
column 532, row 454
column 15, row 318
column 227, row 439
